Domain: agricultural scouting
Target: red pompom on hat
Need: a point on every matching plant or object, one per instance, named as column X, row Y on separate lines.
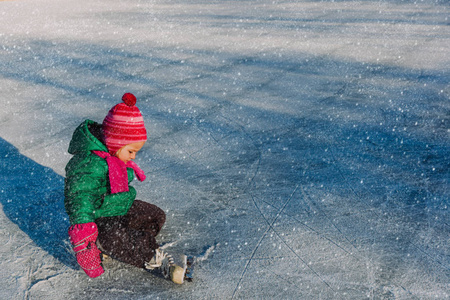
column 129, row 99
column 123, row 125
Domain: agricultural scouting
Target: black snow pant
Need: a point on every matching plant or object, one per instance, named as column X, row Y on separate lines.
column 131, row 238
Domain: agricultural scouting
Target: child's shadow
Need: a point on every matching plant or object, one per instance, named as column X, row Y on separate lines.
column 33, row 197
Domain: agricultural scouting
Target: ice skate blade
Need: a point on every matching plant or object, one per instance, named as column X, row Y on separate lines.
column 177, row 274
column 189, row 276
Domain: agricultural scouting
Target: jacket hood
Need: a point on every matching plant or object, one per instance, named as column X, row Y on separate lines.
column 84, row 140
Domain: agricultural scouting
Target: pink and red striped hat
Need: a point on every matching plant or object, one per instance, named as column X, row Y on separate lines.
column 123, row 125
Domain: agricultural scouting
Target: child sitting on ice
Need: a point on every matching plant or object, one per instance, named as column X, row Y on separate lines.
column 101, row 205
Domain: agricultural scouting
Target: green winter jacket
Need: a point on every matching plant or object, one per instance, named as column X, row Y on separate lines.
column 87, row 189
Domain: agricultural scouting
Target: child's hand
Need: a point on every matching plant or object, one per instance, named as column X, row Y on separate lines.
column 83, row 237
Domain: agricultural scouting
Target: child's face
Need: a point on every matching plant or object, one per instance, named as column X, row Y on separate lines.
column 128, row 152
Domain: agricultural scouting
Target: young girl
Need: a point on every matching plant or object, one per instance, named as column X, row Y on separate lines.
column 101, row 205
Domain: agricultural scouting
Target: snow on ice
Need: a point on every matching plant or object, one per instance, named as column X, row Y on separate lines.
column 300, row 147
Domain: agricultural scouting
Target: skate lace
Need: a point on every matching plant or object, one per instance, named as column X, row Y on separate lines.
column 166, row 262
column 161, row 259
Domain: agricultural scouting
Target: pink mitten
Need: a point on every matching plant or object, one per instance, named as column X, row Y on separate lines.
column 83, row 237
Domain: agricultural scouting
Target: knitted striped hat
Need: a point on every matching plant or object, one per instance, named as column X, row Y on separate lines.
column 123, row 125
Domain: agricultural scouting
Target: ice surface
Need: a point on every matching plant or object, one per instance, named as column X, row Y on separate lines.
column 305, row 142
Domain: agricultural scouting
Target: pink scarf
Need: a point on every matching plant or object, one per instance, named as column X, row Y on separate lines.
column 117, row 170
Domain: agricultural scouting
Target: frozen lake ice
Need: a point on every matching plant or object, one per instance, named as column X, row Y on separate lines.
column 305, row 142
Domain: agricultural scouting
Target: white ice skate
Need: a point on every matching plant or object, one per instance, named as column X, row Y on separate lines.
column 171, row 267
